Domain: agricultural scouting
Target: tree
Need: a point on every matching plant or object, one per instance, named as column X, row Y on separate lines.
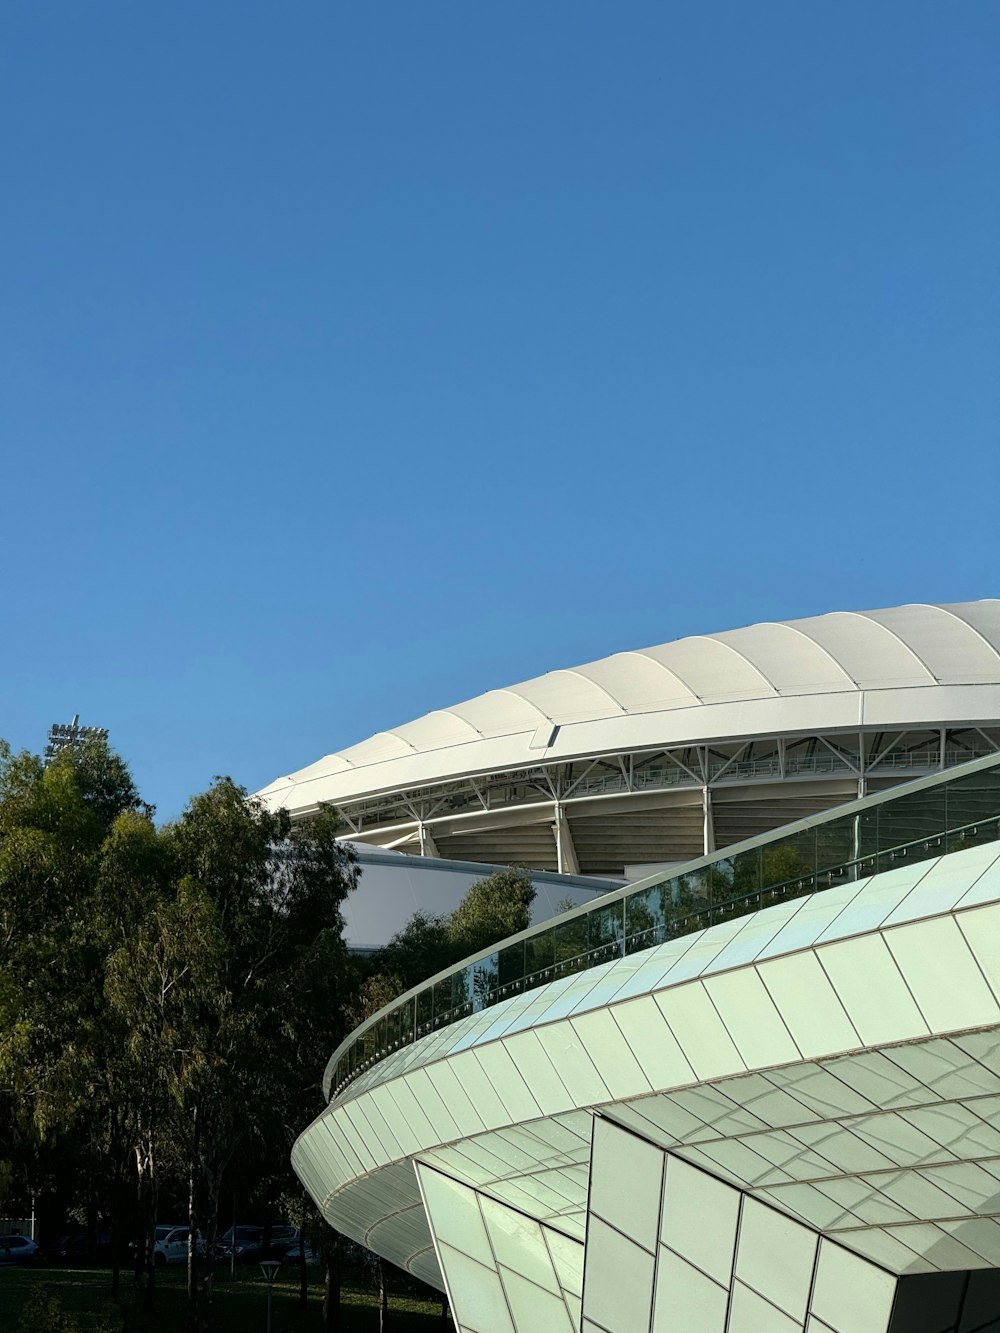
column 227, row 980
column 56, row 1054
column 493, row 908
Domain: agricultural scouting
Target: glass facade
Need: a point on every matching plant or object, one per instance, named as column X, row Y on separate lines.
column 913, row 823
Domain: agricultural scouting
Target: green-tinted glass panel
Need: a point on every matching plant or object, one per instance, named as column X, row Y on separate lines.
column 973, row 800
column 746, row 872
column 406, row 1016
column 836, row 845
column 911, row 819
column 789, row 861
column 693, row 890
column 604, row 931
column 510, row 964
column 719, row 879
column 570, row 940
column 538, row 956
column 484, row 981
column 442, row 1000
column 645, row 912
column 425, row 1007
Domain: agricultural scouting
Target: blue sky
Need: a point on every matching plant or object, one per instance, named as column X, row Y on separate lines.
column 357, row 358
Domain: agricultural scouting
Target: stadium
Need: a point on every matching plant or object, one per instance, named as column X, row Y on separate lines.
column 648, row 758
column 755, row 1091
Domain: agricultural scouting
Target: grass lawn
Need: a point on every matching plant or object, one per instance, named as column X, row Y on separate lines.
column 239, row 1304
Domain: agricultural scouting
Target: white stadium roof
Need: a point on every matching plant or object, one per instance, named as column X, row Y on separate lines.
column 915, row 665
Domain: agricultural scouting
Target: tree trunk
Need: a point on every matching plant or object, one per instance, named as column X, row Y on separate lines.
column 146, row 1196
column 192, row 1263
column 303, row 1275
column 383, row 1297
column 331, row 1287
column 214, row 1179
column 444, row 1310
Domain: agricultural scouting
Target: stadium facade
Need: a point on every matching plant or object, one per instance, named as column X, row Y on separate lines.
column 760, row 1095
column 757, row 1091
column 652, row 757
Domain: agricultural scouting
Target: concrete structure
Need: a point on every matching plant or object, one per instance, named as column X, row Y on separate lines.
column 656, row 756
column 764, row 1097
column 394, row 886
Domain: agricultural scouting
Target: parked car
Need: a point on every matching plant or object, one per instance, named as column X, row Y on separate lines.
column 172, row 1246
column 17, row 1250
column 244, row 1244
column 283, row 1239
column 74, row 1248
column 311, row 1256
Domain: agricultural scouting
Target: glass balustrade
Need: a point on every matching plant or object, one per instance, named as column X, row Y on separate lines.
column 923, row 819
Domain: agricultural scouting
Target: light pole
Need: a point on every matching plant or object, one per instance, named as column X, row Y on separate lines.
column 269, row 1267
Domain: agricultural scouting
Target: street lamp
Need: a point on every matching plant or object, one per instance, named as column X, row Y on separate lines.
column 269, row 1267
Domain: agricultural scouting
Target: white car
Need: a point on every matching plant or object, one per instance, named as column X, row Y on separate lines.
column 171, row 1245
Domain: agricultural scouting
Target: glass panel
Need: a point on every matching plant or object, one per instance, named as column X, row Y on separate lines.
column 645, row 913
column 948, row 815
column 538, row 957
column 442, row 1001
column 406, row 1015
column 604, row 932
column 425, row 1011
column 864, row 842
column 484, row 981
column 693, row 890
column 746, row 872
column 836, row 844
column 911, row 820
column 392, row 1029
column 510, row 965
column 570, row 944
column 720, row 880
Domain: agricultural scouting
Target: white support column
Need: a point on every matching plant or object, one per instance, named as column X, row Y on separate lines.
column 427, row 845
column 565, row 851
column 708, row 822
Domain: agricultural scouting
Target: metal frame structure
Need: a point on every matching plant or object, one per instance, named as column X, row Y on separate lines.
column 650, row 757
column 823, row 769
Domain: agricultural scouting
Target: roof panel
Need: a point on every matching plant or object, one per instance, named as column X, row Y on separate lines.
column 911, row 665
column 982, row 616
column 640, row 683
column 500, row 713
column 794, row 663
column 377, row 749
column 713, row 670
column 869, row 652
column 953, row 652
column 569, row 696
column 437, row 730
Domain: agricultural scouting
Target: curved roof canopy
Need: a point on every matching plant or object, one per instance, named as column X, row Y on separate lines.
column 907, row 666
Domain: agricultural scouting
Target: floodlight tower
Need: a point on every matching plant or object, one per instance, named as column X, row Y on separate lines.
column 70, row 735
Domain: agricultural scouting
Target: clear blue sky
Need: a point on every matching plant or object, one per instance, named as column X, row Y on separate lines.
column 358, row 357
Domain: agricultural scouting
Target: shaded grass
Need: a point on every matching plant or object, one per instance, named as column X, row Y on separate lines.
column 239, row 1304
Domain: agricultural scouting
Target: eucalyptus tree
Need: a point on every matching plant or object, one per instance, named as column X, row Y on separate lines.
column 55, row 1056
column 227, row 980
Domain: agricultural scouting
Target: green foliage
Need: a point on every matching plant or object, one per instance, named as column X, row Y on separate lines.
column 493, row 908
column 166, row 994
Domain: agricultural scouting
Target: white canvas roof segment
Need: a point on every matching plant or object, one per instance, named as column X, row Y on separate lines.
column 916, row 665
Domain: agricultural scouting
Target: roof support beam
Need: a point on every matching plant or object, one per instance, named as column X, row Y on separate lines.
column 566, row 859
column 428, row 847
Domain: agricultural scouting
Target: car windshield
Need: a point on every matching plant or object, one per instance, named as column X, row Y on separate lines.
column 247, row 1233
column 162, row 1233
